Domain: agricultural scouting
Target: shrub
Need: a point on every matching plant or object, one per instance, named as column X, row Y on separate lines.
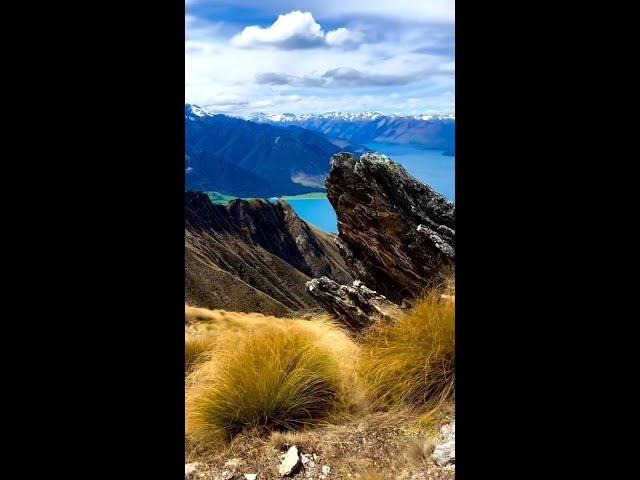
column 411, row 361
column 282, row 375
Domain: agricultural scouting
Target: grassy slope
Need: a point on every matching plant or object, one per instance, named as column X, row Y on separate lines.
column 363, row 433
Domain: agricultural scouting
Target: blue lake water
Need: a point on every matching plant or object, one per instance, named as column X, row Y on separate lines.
column 318, row 212
column 429, row 166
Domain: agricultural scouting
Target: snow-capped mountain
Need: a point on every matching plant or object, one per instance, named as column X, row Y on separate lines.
column 351, row 117
column 242, row 158
column 427, row 130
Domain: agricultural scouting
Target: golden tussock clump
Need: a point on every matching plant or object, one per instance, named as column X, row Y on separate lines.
column 411, row 361
column 268, row 374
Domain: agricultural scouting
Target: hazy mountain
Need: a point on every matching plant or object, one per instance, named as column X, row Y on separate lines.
column 243, row 158
column 428, row 131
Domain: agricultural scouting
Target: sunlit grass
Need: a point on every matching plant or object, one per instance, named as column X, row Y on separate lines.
column 283, row 374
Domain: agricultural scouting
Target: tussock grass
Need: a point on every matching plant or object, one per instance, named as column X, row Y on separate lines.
column 411, row 361
column 269, row 374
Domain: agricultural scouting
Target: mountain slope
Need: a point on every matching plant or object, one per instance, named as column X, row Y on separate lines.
column 248, row 159
column 429, row 131
column 253, row 256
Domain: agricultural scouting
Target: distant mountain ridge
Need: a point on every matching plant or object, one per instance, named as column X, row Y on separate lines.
column 426, row 130
column 248, row 159
column 364, row 116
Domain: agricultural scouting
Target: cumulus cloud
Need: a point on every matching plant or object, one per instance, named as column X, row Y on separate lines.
column 343, row 36
column 295, row 30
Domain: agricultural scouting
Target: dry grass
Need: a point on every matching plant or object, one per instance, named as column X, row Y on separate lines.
column 267, row 373
column 411, row 361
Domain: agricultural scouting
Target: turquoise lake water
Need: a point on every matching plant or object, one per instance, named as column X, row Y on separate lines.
column 428, row 166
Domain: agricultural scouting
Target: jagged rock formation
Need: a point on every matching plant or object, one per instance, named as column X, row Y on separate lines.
column 356, row 305
column 396, row 235
column 254, row 256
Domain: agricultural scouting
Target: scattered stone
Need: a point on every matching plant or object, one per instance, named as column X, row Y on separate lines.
column 304, row 459
column 290, row 463
column 326, row 469
column 251, row 476
column 445, row 453
column 190, row 470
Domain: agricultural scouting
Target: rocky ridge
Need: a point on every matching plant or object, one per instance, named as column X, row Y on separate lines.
column 396, row 235
column 254, row 256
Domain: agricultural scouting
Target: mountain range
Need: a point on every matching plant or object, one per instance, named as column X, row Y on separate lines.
column 429, row 131
column 264, row 155
column 248, row 159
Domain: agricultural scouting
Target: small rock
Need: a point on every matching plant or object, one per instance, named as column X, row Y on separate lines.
column 315, row 457
column 312, row 464
column 290, row 463
column 304, row 459
column 251, row 476
column 326, row 469
column 190, row 470
column 445, row 453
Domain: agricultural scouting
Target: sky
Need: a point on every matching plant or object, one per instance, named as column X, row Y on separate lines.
column 285, row 56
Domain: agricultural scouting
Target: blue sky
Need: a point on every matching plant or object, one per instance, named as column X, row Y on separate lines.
column 278, row 56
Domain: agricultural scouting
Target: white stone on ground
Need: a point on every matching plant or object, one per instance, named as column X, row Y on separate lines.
column 290, row 462
column 445, row 453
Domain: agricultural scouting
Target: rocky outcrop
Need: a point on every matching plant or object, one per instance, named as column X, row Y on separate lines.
column 254, row 256
column 355, row 305
column 396, row 235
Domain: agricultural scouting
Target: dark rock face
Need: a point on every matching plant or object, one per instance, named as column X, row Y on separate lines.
column 254, row 256
column 395, row 233
column 356, row 305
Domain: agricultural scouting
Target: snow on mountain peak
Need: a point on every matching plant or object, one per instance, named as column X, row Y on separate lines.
column 197, row 111
column 344, row 116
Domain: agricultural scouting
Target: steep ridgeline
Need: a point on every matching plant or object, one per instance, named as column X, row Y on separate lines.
column 254, row 256
column 396, row 235
column 247, row 159
column 430, row 131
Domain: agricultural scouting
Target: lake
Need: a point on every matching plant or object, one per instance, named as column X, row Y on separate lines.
column 428, row 166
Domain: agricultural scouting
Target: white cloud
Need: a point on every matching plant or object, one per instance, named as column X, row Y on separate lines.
column 343, row 36
column 388, row 63
column 294, row 30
